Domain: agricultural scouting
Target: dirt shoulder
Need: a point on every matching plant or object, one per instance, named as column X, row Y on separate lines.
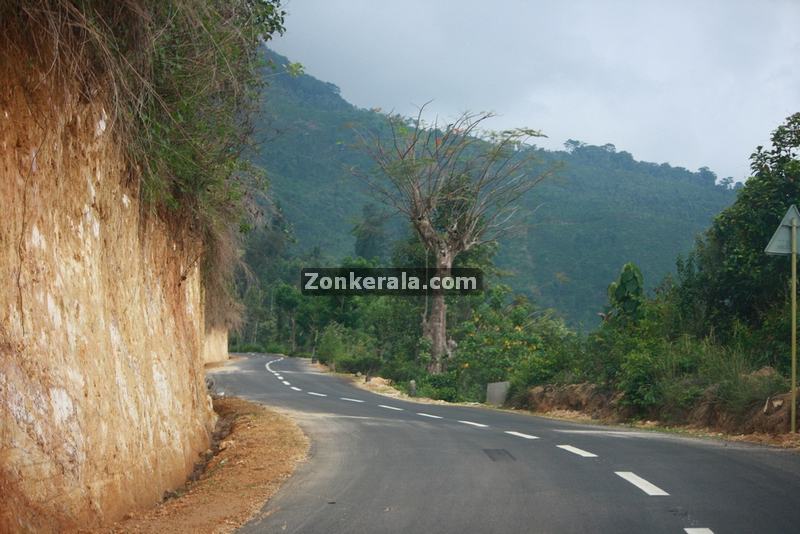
column 258, row 454
column 384, row 387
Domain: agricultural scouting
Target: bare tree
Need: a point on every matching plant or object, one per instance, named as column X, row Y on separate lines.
column 458, row 186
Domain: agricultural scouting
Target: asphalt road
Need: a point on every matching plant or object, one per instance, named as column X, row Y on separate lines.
column 384, row 465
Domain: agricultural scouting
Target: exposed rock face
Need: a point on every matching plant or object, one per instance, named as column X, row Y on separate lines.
column 215, row 348
column 103, row 405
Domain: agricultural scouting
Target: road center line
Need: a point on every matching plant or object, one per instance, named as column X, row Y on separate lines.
column 520, row 435
column 472, row 423
column 576, row 450
column 317, row 394
column 642, row 484
column 296, row 388
column 391, row 407
column 428, row 415
column 348, row 399
column 267, row 366
column 286, row 383
column 698, row 531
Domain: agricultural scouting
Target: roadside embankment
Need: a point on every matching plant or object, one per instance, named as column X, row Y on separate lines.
column 103, row 405
column 766, row 423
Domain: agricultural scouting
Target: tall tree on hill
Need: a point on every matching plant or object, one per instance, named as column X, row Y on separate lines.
column 457, row 185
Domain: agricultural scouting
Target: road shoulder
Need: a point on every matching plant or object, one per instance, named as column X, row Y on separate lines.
column 385, row 388
column 259, row 454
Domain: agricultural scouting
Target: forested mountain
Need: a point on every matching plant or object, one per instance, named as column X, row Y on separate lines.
column 601, row 209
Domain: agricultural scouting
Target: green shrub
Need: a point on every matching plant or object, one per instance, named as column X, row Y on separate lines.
column 274, row 347
column 678, row 397
column 638, row 381
column 441, row 387
column 738, row 395
column 626, row 294
column 331, row 345
column 247, row 347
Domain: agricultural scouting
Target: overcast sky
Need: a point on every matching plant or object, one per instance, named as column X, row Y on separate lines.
column 691, row 83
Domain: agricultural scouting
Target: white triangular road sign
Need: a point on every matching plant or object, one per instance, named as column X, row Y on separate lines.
column 781, row 242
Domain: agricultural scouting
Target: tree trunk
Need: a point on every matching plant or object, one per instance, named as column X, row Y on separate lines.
column 435, row 327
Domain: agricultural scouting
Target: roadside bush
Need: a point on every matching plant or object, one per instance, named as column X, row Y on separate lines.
column 331, row 343
column 441, row 387
column 351, row 351
column 246, row 347
column 678, row 397
column 273, row 347
column 638, row 381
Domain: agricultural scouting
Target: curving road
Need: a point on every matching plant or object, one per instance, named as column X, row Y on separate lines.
column 383, row 465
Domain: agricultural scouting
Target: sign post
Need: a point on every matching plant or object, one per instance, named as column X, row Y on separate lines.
column 784, row 241
column 794, row 324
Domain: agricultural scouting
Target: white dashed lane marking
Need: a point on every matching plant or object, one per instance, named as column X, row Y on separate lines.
column 639, row 482
column 642, row 484
column 520, row 435
column 472, row 423
column 576, row 450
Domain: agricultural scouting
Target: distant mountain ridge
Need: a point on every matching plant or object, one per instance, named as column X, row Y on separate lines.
column 603, row 208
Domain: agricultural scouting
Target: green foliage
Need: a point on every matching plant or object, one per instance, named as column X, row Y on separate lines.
column 332, row 343
column 443, row 386
column 247, row 347
column 493, row 342
column 601, row 209
column 638, row 380
column 626, row 295
column 370, row 234
column 349, row 351
column 699, row 336
column 727, row 283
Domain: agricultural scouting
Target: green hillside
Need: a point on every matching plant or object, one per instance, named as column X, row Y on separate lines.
column 602, row 209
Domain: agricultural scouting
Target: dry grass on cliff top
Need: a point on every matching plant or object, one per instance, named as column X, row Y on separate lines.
column 258, row 455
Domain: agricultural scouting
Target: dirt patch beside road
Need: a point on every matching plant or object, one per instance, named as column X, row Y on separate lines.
column 258, row 454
